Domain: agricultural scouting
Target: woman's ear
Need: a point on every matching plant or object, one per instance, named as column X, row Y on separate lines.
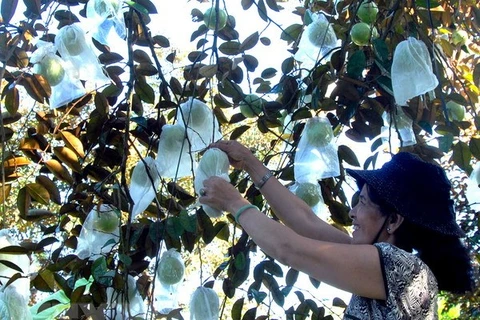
column 394, row 222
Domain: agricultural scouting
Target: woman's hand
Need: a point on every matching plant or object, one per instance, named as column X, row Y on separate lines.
column 221, row 195
column 239, row 156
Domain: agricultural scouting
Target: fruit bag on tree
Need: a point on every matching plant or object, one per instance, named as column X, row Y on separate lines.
column 144, row 184
column 117, row 303
column 397, row 129
column 316, row 156
column 202, row 125
column 214, row 162
column 473, row 188
column 72, row 45
column 170, row 272
column 15, row 297
column 100, row 232
column 317, row 41
column 412, row 72
column 204, row 304
column 60, row 75
column 311, row 194
column 173, row 157
column 107, row 21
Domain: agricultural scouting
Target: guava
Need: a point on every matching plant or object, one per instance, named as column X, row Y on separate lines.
column 170, row 270
column 319, row 133
column 309, row 192
column 204, row 304
column 51, row 68
column 73, row 42
column 459, row 37
column 367, row 12
column 251, row 105
column 455, row 111
column 107, row 221
column 210, row 18
column 362, row 32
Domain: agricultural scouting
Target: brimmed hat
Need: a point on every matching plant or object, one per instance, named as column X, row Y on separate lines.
column 418, row 190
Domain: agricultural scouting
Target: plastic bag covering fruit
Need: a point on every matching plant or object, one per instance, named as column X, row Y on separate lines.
column 73, row 47
column 204, row 304
column 311, row 193
column 473, row 189
column 202, row 125
column 107, row 21
column 397, row 129
column 251, row 105
column 214, row 162
column 412, row 73
column 317, row 41
column 173, row 157
column 316, row 156
column 171, row 268
column 16, row 302
column 92, row 241
column 61, row 76
column 117, row 302
column 4, row 314
column 210, row 18
column 367, row 12
column 143, row 185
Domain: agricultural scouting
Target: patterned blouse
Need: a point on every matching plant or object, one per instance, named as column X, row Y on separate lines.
column 410, row 286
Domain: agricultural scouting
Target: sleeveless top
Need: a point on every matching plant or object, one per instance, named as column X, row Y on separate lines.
column 410, row 286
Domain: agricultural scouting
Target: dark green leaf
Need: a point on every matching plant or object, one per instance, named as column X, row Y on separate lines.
column 337, row 302
column 427, row 3
column 292, row 276
column 474, row 146
column 237, row 309
column 272, row 4
column 144, row 91
column 476, row 75
column 249, row 42
column 12, row 99
column 228, row 288
column 8, row 10
column 262, row 10
column 11, row 265
column 238, row 132
column 230, row 48
column 445, row 142
column 292, row 32
column 269, row 73
column 346, row 154
column 461, row 156
column 314, row 282
column 356, row 64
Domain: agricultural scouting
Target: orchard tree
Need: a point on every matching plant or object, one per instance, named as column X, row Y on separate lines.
column 103, row 126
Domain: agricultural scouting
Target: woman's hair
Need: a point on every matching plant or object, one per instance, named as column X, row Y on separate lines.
column 445, row 255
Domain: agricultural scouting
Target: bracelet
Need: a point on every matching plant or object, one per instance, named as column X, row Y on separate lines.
column 264, row 180
column 243, row 209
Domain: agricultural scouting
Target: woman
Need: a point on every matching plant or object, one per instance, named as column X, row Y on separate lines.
column 404, row 205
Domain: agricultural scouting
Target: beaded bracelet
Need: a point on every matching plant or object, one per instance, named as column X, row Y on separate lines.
column 264, row 180
column 243, row 209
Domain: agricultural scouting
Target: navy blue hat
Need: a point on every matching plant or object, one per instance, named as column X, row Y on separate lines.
column 418, row 190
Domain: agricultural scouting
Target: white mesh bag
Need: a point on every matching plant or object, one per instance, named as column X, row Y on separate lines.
column 173, row 157
column 316, row 157
column 202, row 125
column 204, row 304
column 214, row 162
column 144, row 184
column 412, row 72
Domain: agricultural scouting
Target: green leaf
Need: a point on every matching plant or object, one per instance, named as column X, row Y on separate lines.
column 474, row 146
column 137, row 7
column 346, row 154
column 314, row 282
column 337, row 302
column 12, row 99
column 425, row 3
column 292, row 276
column 262, row 10
column 228, row 288
column 269, row 73
column 230, row 48
column 381, row 52
column 461, row 156
column 249, row 42
column 38, row 193
column 144, row 91
column 445, row 142
column 291, row 33
column 8, row 10
column 273, row 268
column 238, row 132
column 239, row 261
column 356, row 64
column 237, row 309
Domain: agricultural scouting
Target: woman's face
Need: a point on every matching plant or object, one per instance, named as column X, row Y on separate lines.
column 367, row 219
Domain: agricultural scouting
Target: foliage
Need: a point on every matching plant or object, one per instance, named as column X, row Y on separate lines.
column 58, row 164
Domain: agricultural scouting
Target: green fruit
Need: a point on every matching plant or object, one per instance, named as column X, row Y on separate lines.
column 361, row 33
column 251, row 105
column 309, row 192
column 319, row 133
column 170, row 270
column 210, row 18
column 107, row 221
column 459, row 37
column 51, row 69
column 367, row 12
column 455, row 111
column 73, row 42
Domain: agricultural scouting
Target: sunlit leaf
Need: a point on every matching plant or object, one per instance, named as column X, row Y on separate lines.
column 68, row 157
column 59, row 171
column 461, row 156
column 73, row 143
column 12, row 99
column 38, row 193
